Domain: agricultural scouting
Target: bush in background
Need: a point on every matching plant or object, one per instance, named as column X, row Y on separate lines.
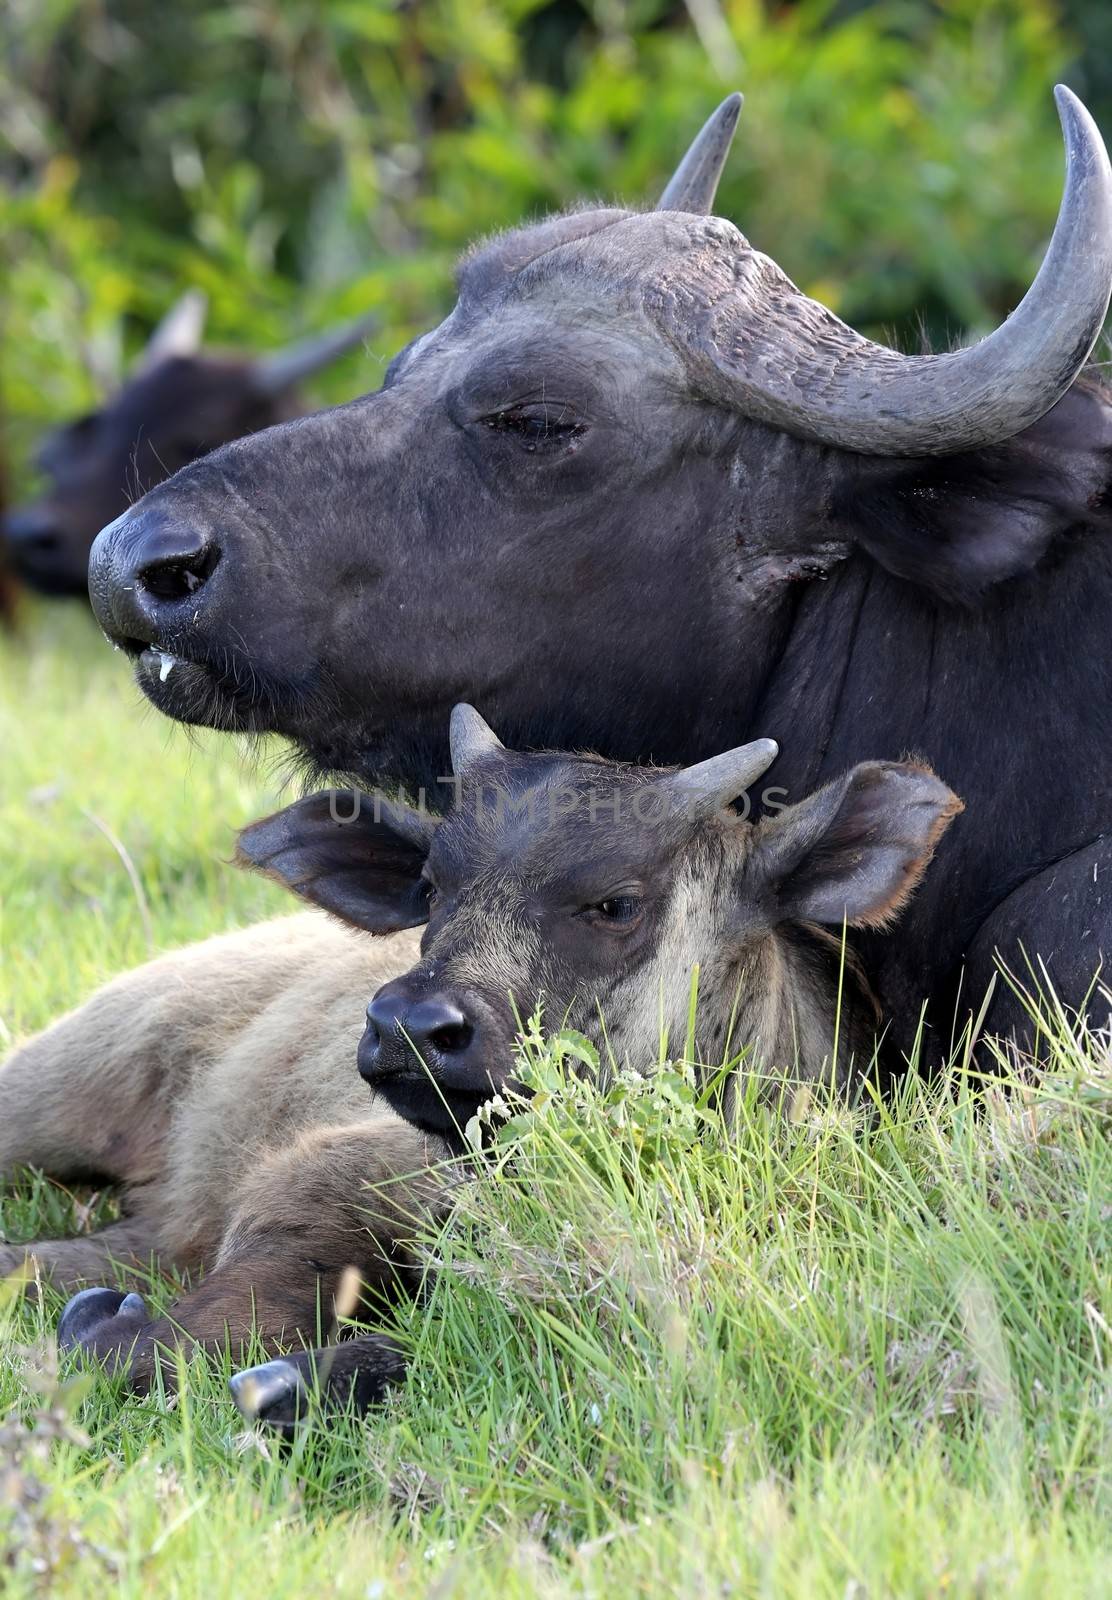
column 304, row 161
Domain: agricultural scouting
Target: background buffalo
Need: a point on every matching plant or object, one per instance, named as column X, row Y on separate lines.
column 178, row 403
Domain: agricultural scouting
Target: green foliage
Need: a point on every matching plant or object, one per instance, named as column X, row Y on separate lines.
column 832, row 1287
column 650, row 1120
column 303, row 162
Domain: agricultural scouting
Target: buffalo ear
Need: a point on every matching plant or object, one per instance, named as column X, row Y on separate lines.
column 957, row 525
column 854, row 850
column 359, row 858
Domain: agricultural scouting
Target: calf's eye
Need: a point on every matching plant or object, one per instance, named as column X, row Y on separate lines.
column 618, row 909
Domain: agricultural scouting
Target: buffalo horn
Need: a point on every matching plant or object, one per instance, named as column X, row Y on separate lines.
column 707, row 788
column 470, row 738
column 283, row 370
column 694, row 183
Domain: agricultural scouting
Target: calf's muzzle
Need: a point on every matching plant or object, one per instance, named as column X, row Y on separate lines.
column 435, row 1054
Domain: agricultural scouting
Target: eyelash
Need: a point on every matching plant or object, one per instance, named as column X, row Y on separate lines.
column 535, row 429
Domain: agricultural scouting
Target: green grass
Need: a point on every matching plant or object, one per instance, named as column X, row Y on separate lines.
column 838, row 1356
column 83, row 758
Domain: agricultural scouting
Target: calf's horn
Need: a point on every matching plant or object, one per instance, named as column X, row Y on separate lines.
column 179, row 333
column 694, row 183
column 470, row 738
column 705, row 789
column 784, row 359
column 273, row 374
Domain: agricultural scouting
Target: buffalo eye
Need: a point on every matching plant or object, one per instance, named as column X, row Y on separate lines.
column 536, row 427
column 616, row 911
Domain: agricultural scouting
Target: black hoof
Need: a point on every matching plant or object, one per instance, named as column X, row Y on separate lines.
column 275, row 1394
column 101, row 1316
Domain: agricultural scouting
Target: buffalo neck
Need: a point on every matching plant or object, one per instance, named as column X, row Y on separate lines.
column 1007, row 701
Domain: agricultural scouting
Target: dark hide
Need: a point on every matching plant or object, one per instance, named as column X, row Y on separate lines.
column 1003, row 686
column 549, row 510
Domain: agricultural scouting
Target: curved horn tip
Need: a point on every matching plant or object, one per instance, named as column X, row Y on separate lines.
column 723, row 119
column 694, row 183
column 988, row 392
column 470, row 737
column 1077, row 122
column 1068, row 103
column 711, row 785
column 765, row 750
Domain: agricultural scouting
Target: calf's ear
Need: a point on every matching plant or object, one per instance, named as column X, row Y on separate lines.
column 350, row 855
column 854, row 850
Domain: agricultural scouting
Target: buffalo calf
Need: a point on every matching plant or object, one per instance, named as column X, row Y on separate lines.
column 246, row 1144
column 598, row 888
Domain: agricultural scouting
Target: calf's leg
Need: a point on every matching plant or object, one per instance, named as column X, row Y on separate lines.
column 95, row 1095
column 87, row 1098
column 337, row 1198
column 354, row 1374
column 123, row 1248
column 92, row 1095
column 81, row 1101
column 91, row 1098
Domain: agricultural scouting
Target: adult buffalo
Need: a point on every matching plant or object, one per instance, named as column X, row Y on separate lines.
column 177, row 403
column 638, row 493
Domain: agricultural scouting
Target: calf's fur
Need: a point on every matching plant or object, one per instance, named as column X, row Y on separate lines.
column 217, row 1086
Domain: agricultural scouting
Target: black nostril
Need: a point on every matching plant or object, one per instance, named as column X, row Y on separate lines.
column 173, row 562
column 433, row 1029
column 177, row 577
column 451, row 1036
column 441, row 1025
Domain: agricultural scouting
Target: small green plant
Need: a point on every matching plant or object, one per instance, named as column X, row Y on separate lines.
column 652, row 1119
